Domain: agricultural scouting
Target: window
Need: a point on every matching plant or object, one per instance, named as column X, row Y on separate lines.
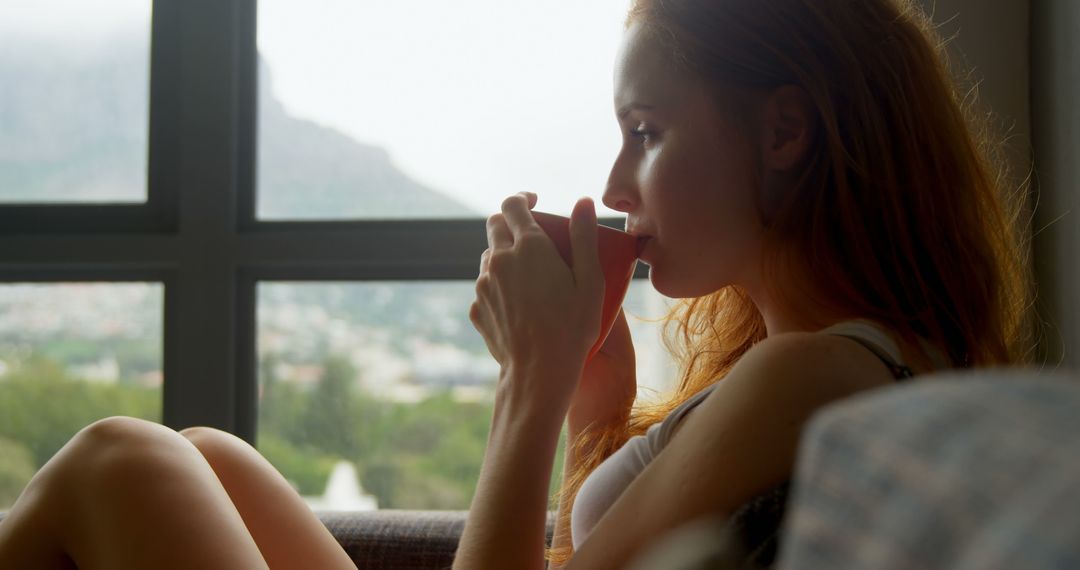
column 224, row 245
column 70, row 354
column 74, row 110
column 389, row 380
column 433, row 109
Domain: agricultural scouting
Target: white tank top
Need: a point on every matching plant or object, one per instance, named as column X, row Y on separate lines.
column 614, row 475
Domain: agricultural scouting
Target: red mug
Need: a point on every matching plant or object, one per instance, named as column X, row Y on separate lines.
column 618, row 258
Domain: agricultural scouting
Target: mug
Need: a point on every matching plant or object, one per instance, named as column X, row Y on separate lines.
column 618, row 258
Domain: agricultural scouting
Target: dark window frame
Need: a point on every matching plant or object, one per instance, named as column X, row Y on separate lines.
column 198, row 233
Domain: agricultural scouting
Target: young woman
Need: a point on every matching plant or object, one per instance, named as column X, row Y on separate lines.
column 811, row 189
column 810, row 186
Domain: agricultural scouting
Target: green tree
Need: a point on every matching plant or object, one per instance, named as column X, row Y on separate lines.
column 282, row 405
column 330, row 420
column 307, row 470
column 429, row 454
column 42, row 408
column 16, row 469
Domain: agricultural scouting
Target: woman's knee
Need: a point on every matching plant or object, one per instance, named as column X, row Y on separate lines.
column 220, row 448
column 119, row 435
column 110, row 456
column 124, row 449
column 122, row 430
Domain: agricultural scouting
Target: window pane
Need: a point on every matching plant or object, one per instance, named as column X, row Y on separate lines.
column 433, row 109
column 71, row 354
column 389, row 387
column 73, row 114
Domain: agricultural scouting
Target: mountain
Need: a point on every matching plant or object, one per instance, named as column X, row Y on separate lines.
column 307, row 171
column 72, row 125
column 73, row 128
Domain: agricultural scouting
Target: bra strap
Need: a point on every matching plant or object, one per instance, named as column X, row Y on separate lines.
column 899, row 371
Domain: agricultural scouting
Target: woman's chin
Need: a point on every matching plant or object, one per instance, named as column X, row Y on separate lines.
column 669, row 288
column 675, row 288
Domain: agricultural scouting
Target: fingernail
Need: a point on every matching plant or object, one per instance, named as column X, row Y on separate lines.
column 586, row 210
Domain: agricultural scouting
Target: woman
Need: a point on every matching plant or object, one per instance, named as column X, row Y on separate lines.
column 808, row 185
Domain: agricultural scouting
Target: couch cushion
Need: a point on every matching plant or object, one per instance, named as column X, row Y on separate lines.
column 397, row 539
column 965, row 471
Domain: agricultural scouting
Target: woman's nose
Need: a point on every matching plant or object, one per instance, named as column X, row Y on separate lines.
column 618, row 205
column 619, row 194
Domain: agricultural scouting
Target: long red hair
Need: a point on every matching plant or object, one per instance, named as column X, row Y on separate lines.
column 905, row 213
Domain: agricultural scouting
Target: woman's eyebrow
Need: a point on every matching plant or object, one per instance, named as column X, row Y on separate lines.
column 625, row 109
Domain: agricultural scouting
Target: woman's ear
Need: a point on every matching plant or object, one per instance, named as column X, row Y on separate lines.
column 789, row 123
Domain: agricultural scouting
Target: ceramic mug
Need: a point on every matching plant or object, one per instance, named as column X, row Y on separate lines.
column 618, row 258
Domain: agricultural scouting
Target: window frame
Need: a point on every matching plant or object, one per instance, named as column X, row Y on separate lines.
column 198, row 233
column 158, row 214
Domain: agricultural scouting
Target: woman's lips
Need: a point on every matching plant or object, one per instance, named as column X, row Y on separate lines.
column 642, row 241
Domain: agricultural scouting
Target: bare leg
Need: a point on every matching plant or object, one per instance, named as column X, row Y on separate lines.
column 126, row 493
column 288, row 534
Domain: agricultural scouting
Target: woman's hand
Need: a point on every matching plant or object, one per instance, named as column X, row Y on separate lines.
column 608, row 384
column 539, row 317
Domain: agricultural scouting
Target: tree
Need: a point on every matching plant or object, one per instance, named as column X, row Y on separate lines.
column 16, row 470
column 328, row 419
column 41, row 407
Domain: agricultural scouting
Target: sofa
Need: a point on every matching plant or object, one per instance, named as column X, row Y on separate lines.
column 964, row 470
column 400, row 539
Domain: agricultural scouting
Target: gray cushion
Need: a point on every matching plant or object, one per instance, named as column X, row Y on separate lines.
column 965, row 471
column 398, row 539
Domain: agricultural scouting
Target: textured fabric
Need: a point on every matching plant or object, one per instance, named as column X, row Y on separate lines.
column 604, row 485
column 402, row 539
column 755, row 528
column 966, row 471
column 398, row 539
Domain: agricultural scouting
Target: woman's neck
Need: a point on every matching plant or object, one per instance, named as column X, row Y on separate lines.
column 793, row 317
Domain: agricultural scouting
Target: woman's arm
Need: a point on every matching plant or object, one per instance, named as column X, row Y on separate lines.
column 539, row 318
column 508, row 517
column 738, row 442
column 601, row 403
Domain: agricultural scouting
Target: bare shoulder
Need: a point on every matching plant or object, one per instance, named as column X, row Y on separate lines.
column 740, row 441
column 806, row 368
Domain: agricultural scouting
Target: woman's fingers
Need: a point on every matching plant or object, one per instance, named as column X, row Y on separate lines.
column 484, row 257
column 515, row 210
column 531, row 197
column 498, row 233
column 583, row 241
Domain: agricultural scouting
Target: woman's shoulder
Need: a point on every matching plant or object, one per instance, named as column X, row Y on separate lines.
column 808, row 367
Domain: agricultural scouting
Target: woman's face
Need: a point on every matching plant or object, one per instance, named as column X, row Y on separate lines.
column 683, row 178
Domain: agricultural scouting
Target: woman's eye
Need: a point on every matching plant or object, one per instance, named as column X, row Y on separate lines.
column 641, row 132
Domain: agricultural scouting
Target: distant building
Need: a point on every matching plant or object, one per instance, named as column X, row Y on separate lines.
column 105, row 371
column 343, row 492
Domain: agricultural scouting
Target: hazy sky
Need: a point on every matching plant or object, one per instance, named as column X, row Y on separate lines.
column 478, row 99
column 72, row 20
